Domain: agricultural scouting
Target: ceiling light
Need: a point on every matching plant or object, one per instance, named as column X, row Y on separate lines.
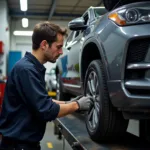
column 23, row 33
column 23, row 5
column 25, row 22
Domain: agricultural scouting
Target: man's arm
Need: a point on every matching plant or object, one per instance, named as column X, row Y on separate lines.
column 82, row 104
column 66, row 109
column 39, row 102
column 58, row 102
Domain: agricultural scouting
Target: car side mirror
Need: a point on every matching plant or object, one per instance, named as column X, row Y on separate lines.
column 77, row 24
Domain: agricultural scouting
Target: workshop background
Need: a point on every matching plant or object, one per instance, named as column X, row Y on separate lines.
column 17, row 22
column 57, row 11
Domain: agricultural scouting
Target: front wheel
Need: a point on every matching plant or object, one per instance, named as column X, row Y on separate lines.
column 103, row 121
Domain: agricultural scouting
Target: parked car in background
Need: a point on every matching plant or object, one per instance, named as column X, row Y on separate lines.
column 50, row 79
column 108, row 58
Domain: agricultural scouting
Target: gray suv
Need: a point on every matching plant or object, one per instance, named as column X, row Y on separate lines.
column 107, row 57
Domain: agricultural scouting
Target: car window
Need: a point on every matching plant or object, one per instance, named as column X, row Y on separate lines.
column 70, row 38
column 76, row 34
column 99, row 12
column 86, row 19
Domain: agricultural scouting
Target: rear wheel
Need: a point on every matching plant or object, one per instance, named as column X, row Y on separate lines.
column 103, row 121
column 60, row 95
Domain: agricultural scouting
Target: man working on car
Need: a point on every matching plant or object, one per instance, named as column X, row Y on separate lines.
column 27, row 107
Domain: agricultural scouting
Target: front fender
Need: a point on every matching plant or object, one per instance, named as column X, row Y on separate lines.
column 101, row 52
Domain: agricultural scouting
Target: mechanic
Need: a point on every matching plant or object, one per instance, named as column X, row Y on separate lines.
column 26, row 106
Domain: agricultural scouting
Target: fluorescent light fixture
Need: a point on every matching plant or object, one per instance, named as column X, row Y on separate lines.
column 23, row 33
column 23, row 5
column 25, row 22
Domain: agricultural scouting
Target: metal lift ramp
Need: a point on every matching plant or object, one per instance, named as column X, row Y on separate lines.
column 73, row 128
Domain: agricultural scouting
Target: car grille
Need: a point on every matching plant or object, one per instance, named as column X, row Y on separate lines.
column 137, row 69
column 137, row 50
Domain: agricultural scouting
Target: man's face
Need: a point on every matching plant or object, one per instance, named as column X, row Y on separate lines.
column 55, row 50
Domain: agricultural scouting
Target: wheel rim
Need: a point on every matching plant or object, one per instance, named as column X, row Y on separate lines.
column 92, row 90
column 57, row 90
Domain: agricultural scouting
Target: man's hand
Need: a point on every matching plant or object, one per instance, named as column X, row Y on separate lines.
column 84, row 103
column 81, row 105
column 74, row 99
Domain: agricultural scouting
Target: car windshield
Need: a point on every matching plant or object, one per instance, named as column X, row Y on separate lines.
column 99, row 12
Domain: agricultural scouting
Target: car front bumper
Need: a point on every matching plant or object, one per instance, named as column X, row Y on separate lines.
column 121, row 98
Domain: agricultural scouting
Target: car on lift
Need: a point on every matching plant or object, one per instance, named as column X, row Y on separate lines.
column 107, row 57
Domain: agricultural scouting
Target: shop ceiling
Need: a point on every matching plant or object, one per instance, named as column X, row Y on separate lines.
column 52, row 9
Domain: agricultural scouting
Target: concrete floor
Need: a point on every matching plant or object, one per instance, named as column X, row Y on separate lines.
column 51, row 141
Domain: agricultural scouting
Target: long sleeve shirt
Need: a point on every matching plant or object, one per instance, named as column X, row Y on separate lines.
column 26, row 106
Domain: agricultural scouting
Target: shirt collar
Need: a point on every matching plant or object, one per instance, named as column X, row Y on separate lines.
column 35, row 61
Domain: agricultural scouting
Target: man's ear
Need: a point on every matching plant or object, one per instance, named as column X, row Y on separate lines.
column 44, row 44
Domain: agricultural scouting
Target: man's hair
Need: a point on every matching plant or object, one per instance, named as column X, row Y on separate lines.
column 46, row 31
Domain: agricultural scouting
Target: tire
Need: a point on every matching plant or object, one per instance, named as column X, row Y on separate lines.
column 103, row 121
column 112, row 4
column 60, row 95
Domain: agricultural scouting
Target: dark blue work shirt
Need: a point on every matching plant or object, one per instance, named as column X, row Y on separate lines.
column 26, row 105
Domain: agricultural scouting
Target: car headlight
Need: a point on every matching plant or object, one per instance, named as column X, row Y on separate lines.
column 132, row 15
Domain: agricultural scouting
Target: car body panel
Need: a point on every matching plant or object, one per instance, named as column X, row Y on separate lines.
column 113, row 43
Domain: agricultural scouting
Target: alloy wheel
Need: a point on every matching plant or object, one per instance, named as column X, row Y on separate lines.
column 92, row 90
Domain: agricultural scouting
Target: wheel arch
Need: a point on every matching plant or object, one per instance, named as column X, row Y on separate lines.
column 95, row 51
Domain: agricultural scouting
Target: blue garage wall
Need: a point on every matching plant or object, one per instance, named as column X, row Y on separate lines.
column 13, row 57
